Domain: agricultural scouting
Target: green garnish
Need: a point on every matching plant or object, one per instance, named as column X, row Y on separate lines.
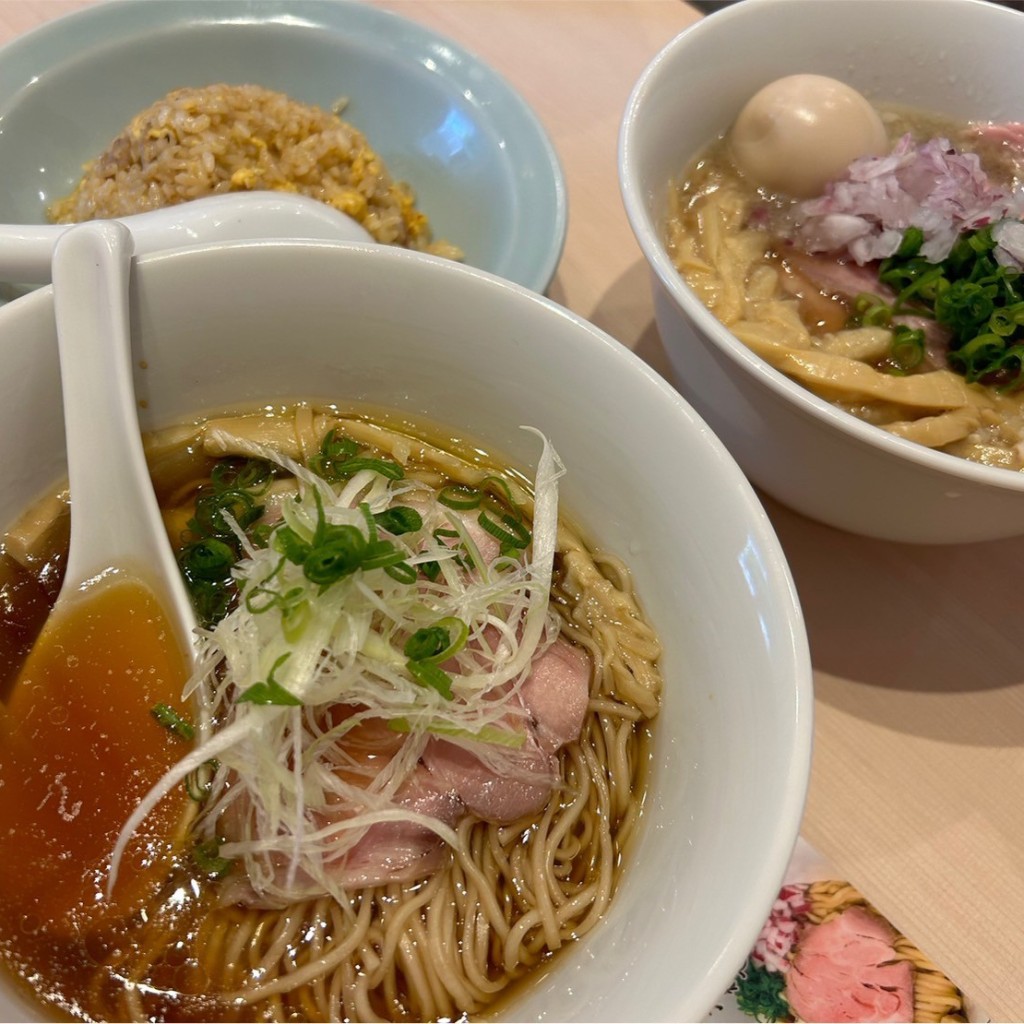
column 211, row 507
column 760, row 993
column 969, row 292
column 460, row 496
column 199, row 782
column 338, row 459
column 907, row 349
column 292, row 604
column 207, row 559
column 403, row 572
column 206, row 856
column 510, row 532
column 427, row 674
column 386, row 467
column 172, row 721
column 399, row 519
column 871, row 311
column 334, row 451
column 253, row 475
column 508, row 529
column 431, row 645
column 270, row 691
column 438, row 642
column 336, row 550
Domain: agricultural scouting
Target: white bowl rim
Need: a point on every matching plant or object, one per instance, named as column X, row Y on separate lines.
column 657, row 257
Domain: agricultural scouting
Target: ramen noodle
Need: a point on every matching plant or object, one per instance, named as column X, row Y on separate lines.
column 261, row 896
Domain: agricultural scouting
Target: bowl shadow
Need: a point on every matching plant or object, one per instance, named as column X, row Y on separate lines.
column 919, row 639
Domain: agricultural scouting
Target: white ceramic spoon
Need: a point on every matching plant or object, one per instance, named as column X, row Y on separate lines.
column 116, row 526
column 26, row 250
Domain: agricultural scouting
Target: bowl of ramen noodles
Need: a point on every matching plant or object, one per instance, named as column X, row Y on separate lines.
column 488, row 692
column 833, row 236
column 388, row 122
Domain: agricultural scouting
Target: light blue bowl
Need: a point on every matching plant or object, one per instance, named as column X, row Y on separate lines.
column 482, row 167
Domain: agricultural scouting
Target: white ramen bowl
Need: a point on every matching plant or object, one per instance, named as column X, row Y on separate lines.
column 953, row 56
column 271, row 321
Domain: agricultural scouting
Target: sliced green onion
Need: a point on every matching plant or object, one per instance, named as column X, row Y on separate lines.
column 1007, row 320
column 399, row 519
column 369, row 519
column 911, row 243
column 206, row 856
column 199, row 782
column 340, row 554
column 270, row 691
column 502, row 485
column 979, row 356
column 211, row 507
column 979, row 301
column 253, row 475
column 870, row 311
column 381, row 554
column 385, row 467
column 460, row 496
column 510, row 532
column 334, row 450
column 438, row 642
column 907, row 348
column 291, row 545
column 403, row 572
column 1010, row 364
column 965, row 304
column 259, row 535
column 211, row 601
column 209, row 559
column 428, row 674
column 262, row 597
column 172, row 721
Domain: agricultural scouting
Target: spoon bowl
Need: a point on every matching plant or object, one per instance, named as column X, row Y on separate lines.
column 116, row 527
column 27, row 250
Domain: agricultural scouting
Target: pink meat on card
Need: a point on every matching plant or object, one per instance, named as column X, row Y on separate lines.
column 846, row 970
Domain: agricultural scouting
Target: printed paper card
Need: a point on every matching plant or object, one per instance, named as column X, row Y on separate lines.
column 826, row 954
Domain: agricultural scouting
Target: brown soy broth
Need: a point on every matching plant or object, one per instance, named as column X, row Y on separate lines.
column 79, row 748
column 24, row 606
column 30, row 578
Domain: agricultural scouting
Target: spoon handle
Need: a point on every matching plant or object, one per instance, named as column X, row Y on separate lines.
column 26, row 250
column 116, row 523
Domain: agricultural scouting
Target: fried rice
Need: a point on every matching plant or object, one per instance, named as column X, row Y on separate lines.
column 226, row 138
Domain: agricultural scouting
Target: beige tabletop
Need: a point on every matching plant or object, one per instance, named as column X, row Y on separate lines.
column 917, row 788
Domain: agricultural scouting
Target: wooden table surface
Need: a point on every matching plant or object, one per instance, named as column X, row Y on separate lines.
column 918, row 779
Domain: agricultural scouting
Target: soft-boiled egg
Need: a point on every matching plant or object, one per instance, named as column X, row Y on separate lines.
column 802, row 131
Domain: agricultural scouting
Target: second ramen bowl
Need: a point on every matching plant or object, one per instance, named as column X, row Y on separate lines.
column 949, row 56
column 427, row 339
